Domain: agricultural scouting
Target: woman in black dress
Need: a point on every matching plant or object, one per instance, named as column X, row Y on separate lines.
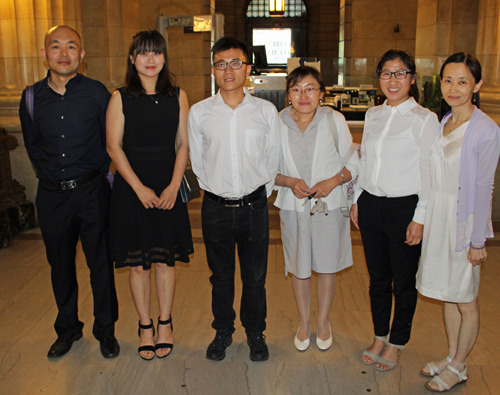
column 149, row 222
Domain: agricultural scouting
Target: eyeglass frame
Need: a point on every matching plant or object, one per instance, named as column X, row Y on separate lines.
column 299, row 91
column 393, row 73
column 229, row 63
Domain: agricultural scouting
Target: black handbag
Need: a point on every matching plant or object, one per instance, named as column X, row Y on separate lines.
column 190, row 188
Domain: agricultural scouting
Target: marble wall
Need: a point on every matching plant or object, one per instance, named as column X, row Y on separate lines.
column 443, row 28
column 324, row 21
column 368, row 29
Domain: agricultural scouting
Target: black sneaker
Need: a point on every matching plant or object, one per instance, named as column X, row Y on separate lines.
column 258, row 348
column 216, row 351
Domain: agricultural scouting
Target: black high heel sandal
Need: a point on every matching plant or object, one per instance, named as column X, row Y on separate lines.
column 146, row 348
column 160, row 346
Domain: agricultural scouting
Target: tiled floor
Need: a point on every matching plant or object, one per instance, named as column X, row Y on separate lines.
column 27, row 312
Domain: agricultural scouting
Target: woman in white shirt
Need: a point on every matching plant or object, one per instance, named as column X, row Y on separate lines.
column 311, row 166
column 391, row 195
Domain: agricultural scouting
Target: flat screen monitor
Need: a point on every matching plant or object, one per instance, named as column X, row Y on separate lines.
column 259, row 57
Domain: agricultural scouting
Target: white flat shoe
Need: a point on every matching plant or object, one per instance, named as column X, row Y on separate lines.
column 325, row 344
column 302, row 345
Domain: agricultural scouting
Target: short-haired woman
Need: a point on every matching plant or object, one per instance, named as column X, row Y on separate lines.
column 311, row 166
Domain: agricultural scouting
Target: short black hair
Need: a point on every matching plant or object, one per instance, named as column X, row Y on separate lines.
column 226, row 43
column 408, row 61
column 470, row 62
column 302, row 72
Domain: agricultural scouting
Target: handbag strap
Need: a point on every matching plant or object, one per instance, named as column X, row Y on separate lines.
column 345, row 159
column 30, row 101
column 335, row 134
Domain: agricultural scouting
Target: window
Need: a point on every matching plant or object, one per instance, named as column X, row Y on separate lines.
column 278, row 44
column 260, row 9
column 284, row 37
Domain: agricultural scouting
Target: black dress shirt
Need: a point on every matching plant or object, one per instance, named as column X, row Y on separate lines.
column 69, row 140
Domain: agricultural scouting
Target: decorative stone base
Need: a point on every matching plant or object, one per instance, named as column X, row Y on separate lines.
column 15, row 220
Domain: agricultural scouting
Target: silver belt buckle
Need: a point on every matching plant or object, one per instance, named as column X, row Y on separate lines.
column 68, row 185
column 235, row 199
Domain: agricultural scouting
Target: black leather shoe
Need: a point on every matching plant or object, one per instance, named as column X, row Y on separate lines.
column 258, row 347
column 216, row 351
column 62, row 345
column 110, row 347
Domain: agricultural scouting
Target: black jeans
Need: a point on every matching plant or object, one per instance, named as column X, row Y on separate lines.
column 65, row 215
column 224, row 228
column 392, row 264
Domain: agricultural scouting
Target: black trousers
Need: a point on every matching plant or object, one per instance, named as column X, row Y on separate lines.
column 224, row 228
column 392, row 264
column 65, row 215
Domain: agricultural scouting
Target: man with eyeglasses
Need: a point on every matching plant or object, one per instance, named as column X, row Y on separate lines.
column 234, row 151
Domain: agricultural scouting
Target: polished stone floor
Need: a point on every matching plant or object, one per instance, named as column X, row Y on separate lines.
column 27, row 312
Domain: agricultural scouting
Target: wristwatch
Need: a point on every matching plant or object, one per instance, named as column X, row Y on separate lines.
column 341, row 175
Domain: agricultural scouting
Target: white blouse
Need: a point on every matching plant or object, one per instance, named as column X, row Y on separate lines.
column 395, row 153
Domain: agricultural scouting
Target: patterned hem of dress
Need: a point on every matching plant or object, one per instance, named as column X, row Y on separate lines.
column 155, row 255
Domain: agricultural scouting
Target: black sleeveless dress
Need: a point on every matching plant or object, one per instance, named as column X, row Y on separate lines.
column 140, row 236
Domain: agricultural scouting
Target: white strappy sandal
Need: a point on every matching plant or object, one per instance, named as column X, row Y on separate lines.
column 433, row 369
column 442, row 385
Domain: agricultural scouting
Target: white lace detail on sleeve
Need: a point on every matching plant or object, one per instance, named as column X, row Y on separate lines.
column 464, row 231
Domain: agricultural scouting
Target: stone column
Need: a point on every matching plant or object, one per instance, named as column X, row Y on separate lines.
column 443, row 28
column 488, row 53
column 23, row 24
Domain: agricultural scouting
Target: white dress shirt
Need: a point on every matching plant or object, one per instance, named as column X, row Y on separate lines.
column 395, row 153
column 234, row 152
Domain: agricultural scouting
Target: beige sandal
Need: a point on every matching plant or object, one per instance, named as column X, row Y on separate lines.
column 433, row 369
column 391, row 364
column 442, row 385
column 373, row 355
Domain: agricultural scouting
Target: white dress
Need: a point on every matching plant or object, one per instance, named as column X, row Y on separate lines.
column 445, row 274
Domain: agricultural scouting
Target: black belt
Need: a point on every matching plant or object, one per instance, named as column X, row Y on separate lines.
column 259, row 193
column 72, row 184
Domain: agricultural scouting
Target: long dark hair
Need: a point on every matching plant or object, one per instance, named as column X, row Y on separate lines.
column 470, row 62
column 408, row 61
column 302, row 72
column 148, row 41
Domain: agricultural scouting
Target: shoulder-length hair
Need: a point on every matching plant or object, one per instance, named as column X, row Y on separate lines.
column 407, row 60
column 148, row 41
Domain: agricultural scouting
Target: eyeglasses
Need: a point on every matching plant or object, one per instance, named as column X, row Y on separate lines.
column 399, row 74
column 234, row 64
column 307, row 91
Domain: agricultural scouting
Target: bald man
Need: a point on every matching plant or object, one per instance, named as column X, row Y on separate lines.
column 65, row 136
